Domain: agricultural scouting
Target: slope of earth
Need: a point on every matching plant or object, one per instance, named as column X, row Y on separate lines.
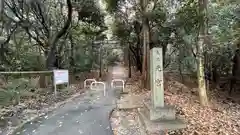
column 221, row 117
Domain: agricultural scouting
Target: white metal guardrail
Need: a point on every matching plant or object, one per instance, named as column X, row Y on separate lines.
column 118, row 80
column 88, row 80
column 102, row 83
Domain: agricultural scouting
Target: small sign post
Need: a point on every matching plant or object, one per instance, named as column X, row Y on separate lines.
column 60, row 77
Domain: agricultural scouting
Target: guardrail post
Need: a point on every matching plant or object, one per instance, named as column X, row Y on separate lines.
column 104, row 86
column 88, row 80
column 118, row 80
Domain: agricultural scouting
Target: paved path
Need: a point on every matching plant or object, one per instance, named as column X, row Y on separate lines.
column 85, row 115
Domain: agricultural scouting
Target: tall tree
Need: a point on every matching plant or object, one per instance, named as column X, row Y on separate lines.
column 51, row 56
column 200, row 49
column 145, row 31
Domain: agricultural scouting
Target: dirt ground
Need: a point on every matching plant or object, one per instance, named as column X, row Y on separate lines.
column 220, row 117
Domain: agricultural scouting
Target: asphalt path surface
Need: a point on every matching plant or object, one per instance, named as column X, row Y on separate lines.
column 86, row 115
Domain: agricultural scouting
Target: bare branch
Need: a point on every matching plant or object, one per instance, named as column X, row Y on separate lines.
column 53, row 42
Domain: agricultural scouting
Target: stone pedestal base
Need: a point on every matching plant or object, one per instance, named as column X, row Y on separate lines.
column 160, row 125
column 160, row 113
column 157, row 120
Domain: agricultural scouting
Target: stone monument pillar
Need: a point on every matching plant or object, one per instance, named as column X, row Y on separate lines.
column 155, row 110
column 156, row 77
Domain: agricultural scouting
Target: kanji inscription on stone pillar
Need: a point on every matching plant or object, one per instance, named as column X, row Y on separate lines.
column 156, row 77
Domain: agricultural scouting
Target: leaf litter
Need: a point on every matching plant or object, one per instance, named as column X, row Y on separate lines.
column 125, row 123
column 14, row 115
column 220, row 117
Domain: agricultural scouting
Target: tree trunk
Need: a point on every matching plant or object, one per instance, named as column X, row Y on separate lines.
column 137, row 52
column 100, row 62
column 145, row 31
column 129, row 63
column 200, row 56
column 1, row 8
column 164, row 47
column 148, row 55
column 71, row 62
column 126, row 55
column 137, row 57
column 51, row 58
column 42, row 79
column 235, row 70
column 200, row 72
column 144, row 58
